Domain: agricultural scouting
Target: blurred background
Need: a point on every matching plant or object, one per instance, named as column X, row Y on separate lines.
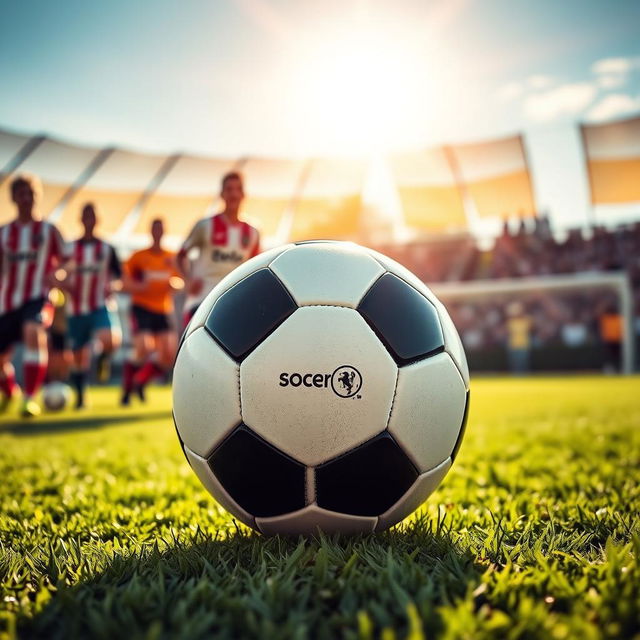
column 491, row 147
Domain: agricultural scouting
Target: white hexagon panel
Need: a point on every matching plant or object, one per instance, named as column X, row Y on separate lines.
column 452, row 343
column 319, row 385
column 327, row 273
column 429, row 410
column 312, row 519
column 206, row 397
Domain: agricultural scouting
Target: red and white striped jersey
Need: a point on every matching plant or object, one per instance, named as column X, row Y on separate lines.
column 222, row 246
column 29, row 253
column 93, row 265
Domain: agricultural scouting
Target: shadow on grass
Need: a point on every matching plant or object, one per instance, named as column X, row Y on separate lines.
column 79, row 423
column 249, row 586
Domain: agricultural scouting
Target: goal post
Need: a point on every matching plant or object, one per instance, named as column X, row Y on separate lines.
column 615, row 281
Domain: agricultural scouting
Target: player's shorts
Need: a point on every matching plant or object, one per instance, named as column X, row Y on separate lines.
column 83, row 326
column 39, row 311
column 144, row 320
column 59, row 341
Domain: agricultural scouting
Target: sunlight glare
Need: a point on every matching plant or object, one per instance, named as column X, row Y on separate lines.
column 357, row 90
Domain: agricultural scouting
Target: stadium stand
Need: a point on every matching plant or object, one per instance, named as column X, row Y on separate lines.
column 566, row 329
column 445, row 195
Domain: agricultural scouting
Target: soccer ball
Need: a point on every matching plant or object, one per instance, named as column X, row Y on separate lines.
column 55, row 396
column 320, row 385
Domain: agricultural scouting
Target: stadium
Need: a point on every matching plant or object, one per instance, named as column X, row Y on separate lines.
column 525, row 229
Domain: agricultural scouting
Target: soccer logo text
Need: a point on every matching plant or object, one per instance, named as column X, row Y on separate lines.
column 345, row 381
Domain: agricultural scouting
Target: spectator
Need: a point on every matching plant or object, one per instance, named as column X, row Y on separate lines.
column 519, row 338
column 610, row 323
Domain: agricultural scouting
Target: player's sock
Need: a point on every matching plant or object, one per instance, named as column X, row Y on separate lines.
column 35, row 369
column 79, row 382
column 129, row 371
column 8, row 384
column 148, row 372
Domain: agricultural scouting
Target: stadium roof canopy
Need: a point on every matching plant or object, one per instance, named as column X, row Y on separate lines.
column 443, row 189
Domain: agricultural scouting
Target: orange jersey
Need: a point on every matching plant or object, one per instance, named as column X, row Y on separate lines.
column 153, row 268
column 611, row 327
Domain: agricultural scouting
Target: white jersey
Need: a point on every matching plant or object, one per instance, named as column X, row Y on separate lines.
column 94, row 265
column 222, row 246
column 29, row 253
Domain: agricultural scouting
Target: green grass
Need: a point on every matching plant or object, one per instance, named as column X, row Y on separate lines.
column 105, row 532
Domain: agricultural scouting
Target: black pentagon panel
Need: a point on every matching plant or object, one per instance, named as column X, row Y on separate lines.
column 261, row 479
column 463, row 427
column 367, row 480
column 404, row 320
column 246, row 314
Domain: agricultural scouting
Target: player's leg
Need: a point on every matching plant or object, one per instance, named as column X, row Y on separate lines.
column 143, row 344
column 80, row 373
column 133, row 358
column 60, row 357
column 35, row 361
column 10, row 333
column 160, row 365
column 109, row 338
column 80, row 327
column 8, row 385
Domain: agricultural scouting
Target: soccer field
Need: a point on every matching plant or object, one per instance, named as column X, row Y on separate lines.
column 106, row 532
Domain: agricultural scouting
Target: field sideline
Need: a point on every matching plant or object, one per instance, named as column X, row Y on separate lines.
column 105, row 532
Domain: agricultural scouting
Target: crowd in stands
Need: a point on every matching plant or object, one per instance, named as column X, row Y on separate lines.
column 572, row 320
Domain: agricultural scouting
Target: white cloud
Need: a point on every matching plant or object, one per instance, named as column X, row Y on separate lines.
column 611, row 80
column 544, row 98
column 613, row 105
column 565, row 100
column 515, row 90
column 615, row 66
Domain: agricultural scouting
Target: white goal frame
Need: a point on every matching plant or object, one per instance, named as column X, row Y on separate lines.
column 617, row 281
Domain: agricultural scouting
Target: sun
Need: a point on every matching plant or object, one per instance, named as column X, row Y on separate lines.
column 358, row 90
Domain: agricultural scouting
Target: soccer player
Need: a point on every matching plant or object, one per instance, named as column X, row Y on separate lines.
column 222, row 242
column 93, row 272
column 30, row 252
column 151, row 277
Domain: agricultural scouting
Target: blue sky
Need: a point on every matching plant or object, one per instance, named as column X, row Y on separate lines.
column 293, row 77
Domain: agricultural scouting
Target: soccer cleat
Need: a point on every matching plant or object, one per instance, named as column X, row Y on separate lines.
column 103, row 368
column 30, row 408
column 125, row 400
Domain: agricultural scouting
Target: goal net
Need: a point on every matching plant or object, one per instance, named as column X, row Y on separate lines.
column 581, row 321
